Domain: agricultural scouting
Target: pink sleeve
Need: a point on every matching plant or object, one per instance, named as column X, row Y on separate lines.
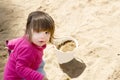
column 24, row 59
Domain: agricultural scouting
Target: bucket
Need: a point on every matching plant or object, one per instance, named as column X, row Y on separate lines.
column 65, row 49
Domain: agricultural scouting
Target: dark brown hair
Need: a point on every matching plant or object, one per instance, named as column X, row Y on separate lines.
column 39, row 21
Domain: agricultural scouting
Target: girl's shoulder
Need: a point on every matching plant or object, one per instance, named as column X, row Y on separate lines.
column 17, row 43
column 10, row 44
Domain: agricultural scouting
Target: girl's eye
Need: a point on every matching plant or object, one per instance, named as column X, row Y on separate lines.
column 47, row 32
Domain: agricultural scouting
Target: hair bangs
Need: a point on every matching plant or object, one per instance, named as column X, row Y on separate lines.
column 41, row 25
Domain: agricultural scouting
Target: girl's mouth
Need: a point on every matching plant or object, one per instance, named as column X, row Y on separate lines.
column 41, row 41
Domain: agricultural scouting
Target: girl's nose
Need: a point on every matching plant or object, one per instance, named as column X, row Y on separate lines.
column 42, row 35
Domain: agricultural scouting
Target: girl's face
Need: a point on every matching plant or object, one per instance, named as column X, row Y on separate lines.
column 40, row 38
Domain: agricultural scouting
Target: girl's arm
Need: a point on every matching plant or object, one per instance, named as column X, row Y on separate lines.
column 24, row 60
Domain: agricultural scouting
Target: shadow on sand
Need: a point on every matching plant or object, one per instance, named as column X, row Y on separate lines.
column 73, row 68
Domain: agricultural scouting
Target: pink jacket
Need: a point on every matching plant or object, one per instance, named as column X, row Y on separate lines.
column 24, row 60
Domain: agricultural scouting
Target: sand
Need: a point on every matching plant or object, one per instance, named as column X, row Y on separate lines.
column 93, row 23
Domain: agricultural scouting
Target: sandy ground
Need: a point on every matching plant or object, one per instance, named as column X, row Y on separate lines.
column 93, row 23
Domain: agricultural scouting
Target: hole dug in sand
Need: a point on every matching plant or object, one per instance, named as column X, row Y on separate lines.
column 69, row 65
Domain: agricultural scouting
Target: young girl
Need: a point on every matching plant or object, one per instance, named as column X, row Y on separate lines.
column 27, row 51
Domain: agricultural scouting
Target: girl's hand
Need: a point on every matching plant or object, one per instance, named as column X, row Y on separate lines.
column 45, row 78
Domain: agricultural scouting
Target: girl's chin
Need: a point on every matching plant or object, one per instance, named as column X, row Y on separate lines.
column 42, row 44
column 39, row 44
